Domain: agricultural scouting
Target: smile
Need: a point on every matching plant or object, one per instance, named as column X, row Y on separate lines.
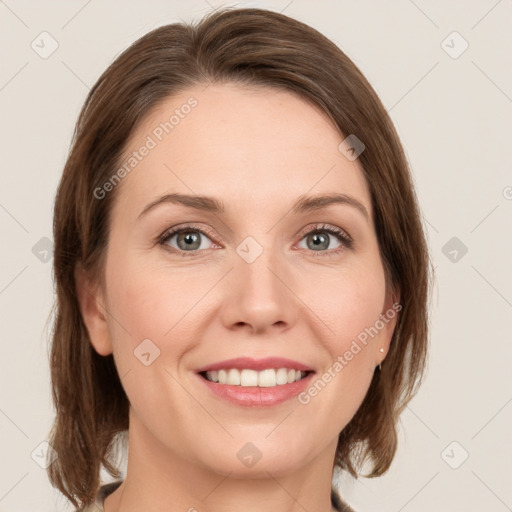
column 267, row 378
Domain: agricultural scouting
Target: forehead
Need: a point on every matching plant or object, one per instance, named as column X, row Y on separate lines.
column 254, row 146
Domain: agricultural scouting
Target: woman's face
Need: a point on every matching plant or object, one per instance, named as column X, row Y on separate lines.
column 259, row 283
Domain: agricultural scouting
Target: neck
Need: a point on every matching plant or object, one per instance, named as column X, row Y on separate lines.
column 160, row 479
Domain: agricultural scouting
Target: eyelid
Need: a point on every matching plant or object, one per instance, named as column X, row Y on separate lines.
column 346, row 239
column 330, row 228
column 170, row 232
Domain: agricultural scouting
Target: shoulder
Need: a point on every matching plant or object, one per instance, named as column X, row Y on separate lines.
column 104, row 491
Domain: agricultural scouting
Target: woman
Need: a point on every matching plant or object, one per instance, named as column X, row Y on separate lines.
column 242, row 274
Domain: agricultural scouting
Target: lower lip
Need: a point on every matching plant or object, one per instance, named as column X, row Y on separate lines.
column 254, row 396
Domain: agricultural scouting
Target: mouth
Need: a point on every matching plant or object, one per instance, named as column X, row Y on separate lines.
column 267, row 378
column 256, row 383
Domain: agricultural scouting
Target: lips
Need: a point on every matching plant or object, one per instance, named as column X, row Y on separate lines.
column 254, row 396
column 243, row 363
column 250, row 395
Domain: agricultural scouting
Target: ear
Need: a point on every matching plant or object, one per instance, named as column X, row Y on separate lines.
column 92, row 308
column 389, row 316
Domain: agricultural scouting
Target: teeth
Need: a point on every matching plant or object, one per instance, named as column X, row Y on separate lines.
column 233, row 378
column 248, row 377
column 264, row 379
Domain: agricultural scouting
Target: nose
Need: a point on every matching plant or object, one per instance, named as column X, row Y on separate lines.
column 258, row 296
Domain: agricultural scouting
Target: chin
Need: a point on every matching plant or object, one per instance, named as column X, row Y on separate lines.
column 249, row 461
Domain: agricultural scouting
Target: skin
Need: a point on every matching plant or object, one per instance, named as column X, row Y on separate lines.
column 258, row 150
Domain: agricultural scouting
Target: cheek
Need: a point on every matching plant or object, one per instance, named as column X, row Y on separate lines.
column 348, row 302
column 351, row 306
column 158, row 303
column 141, row 303
column 151, row 308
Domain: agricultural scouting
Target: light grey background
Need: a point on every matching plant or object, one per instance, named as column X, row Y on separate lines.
column 454, row 118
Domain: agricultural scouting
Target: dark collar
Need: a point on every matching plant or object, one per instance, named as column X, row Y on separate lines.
column 338, row 503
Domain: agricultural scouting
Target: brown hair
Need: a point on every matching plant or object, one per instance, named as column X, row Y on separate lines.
column 251, row 47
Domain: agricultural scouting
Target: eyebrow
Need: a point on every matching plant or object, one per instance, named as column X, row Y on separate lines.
column 304, row 204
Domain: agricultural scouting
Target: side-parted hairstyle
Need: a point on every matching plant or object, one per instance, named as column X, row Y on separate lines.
column 252, row 47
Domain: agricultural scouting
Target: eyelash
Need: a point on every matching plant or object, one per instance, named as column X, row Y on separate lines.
column 340, row 234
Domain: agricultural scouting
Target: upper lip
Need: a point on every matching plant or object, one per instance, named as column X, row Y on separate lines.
column 242, row 363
